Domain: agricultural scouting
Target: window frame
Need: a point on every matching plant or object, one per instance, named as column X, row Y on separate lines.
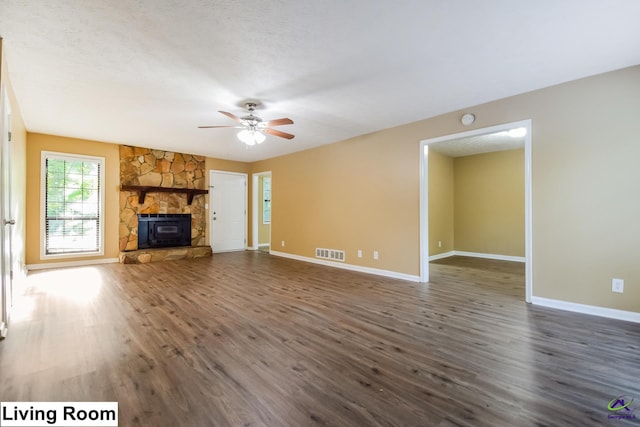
column 45, row 155
column 264, row 201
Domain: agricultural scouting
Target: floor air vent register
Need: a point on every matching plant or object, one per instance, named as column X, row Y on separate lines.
column 330, row 254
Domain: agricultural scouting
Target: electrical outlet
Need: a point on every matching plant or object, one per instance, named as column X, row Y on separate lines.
column 439, row 243
column 359, row 253
column 617, row 285
column 375, row 254
column 282, row 244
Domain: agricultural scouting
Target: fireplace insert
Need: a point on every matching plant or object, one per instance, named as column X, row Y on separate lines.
column 163, row 230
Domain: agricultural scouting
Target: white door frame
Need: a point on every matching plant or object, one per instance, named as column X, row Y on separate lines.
column 254, row 208
column 211, row 172
column 5, row 213
column 424, row 197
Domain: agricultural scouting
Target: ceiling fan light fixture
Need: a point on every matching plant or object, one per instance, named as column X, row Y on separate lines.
column 251, row 137
column 253, row 128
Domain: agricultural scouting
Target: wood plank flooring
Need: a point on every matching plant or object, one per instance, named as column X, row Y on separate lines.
column 248, row 339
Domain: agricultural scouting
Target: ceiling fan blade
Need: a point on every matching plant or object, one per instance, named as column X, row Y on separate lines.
column 279, row 122
column 278, row 133
column 207, row 127
column 231, row 116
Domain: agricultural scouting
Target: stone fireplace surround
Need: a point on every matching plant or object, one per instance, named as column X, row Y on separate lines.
column 157, row 168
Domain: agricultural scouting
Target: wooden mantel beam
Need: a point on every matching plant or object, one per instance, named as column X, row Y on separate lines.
column 142, row 191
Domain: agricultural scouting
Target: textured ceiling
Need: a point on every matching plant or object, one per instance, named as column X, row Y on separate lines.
column 148, row 72
column 471, row 145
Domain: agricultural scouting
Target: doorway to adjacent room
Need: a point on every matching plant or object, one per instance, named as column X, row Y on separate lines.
column 466, row 138
column 261, row 212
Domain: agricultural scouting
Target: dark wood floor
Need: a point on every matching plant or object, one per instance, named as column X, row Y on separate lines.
column 248, row 339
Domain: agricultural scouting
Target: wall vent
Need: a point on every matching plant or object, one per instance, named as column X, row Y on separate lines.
column 332, row 254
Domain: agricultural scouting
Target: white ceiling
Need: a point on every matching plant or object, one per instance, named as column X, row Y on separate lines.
column 148, row 72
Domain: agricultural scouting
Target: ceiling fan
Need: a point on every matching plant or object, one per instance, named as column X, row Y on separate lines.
column 253, row 127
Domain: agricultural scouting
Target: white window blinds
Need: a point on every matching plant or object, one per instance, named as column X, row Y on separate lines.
column 73, row 204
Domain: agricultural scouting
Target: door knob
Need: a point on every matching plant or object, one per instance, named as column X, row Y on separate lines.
column 9, row 222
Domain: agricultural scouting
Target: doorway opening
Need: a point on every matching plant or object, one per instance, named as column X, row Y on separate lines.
column 261, row 211
column 471, row 138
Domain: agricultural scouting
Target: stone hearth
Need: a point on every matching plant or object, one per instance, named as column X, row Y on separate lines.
column 144, row 256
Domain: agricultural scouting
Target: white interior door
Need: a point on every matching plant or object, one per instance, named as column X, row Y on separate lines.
column 228, row 196
column 5, row 214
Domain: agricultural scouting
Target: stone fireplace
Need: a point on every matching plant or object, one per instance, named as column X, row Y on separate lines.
column 159, row 184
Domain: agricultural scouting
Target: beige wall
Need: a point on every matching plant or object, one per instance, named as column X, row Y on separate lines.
column 585, row 189
column 36, row 144
column 18, row 172
column 441, row 179
column 363, row 193
column 358, row 194
column 489, row 203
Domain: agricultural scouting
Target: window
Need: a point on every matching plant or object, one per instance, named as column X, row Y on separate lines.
column 266, row 197
column 72, row 203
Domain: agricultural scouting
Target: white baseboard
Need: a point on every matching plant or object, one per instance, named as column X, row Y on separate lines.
column 361, row 269
column 478, row 255
column 257, row 247
column 442, row 255
column 71, row 263
column 611, row 313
